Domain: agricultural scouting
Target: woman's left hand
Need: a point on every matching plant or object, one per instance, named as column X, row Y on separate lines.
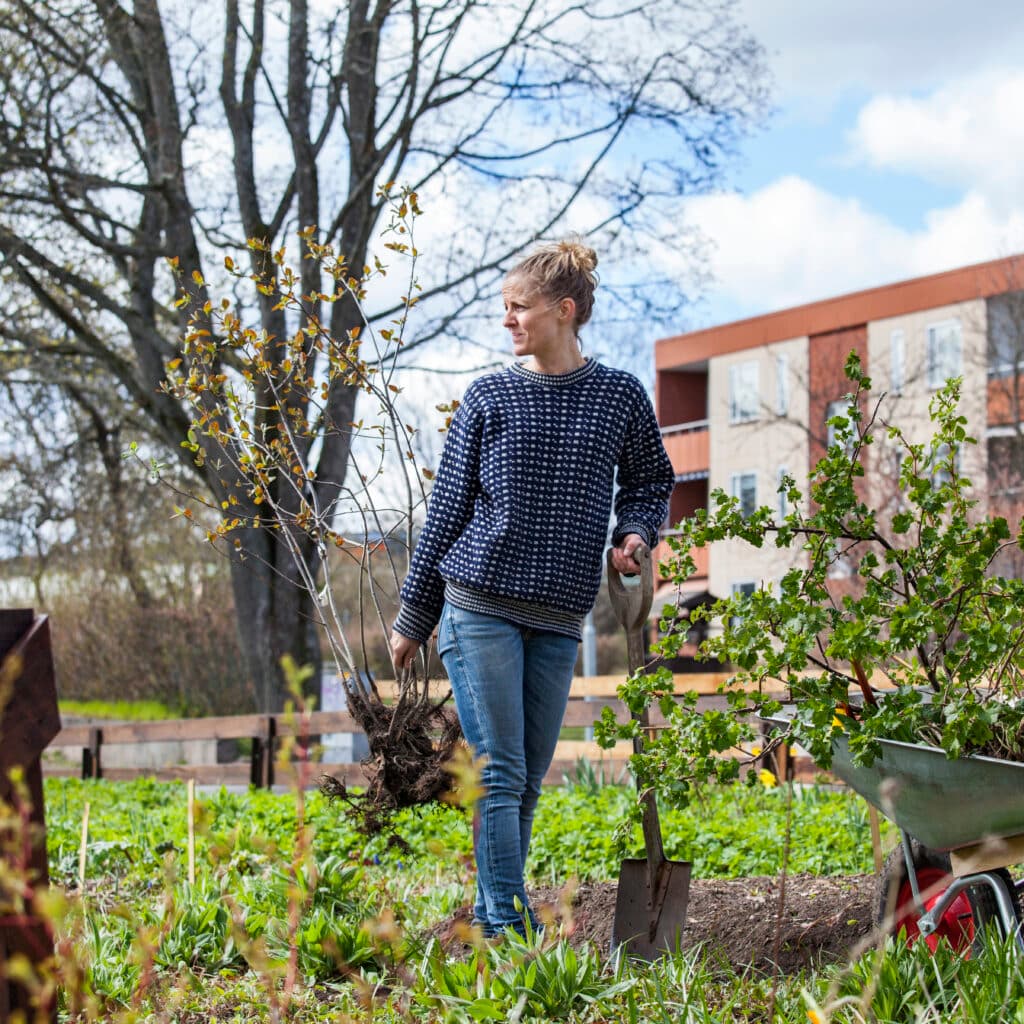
column 622, row 556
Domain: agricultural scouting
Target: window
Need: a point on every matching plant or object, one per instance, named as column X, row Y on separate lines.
column 740, row 589
column 744, row 487
column 832, row 410
column 940, row 473
column 944, row 353
column 744, row 393
column 783, row 505
column 781, row 385
column 840, row 569
column 1004, row 462
column 1006, row 334
column 897, row 362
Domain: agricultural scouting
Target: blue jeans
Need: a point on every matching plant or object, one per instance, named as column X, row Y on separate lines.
column 511, row 685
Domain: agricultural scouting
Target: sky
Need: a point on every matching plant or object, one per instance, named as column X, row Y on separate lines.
column 895, row 149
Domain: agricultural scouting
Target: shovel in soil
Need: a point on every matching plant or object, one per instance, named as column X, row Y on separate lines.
column 653, row 893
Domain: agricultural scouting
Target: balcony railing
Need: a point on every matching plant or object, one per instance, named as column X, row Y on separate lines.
column 684, row 428
column 687, row 447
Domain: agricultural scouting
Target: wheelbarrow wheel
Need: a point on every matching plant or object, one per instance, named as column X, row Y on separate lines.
column 964, row 921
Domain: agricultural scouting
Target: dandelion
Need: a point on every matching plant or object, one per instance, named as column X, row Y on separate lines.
column 814, row 1017
column 767, row 778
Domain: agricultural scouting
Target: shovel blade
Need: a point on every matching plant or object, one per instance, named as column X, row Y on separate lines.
column 648, row 925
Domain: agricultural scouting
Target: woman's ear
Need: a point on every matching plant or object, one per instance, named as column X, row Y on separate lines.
column 567, row 309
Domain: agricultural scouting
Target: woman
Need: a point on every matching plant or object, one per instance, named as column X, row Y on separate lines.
column 509, row 559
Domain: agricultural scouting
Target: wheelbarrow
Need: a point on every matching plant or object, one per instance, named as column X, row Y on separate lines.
column 961, row 822
column 653, row 892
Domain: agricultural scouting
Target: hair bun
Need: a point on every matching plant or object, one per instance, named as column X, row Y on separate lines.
column 580, row 255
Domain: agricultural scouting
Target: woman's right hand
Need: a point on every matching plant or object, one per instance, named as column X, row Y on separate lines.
column 403, row 652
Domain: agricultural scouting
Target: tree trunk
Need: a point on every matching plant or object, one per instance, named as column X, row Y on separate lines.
column 275, row 617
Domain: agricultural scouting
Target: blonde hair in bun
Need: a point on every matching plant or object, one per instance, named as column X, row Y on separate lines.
column 564, row 269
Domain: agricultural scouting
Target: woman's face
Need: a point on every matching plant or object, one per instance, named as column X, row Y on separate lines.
column 538, row 326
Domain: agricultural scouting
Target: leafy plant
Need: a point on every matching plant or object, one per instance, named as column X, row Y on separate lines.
column 920, row 609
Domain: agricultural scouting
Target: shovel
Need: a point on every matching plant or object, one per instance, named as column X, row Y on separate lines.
column 653, row 893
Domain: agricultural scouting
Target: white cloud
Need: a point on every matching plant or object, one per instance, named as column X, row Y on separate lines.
column 820, row 50
column 969, row 134
column 793, row 242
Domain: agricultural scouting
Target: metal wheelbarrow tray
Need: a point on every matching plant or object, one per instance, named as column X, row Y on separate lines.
column 944, row 804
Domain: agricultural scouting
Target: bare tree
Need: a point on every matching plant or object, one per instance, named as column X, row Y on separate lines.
column 117, row 153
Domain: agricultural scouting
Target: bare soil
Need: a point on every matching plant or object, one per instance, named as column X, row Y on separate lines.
column 753, row 924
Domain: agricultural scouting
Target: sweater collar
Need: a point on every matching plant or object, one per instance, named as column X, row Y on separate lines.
column 556, row 380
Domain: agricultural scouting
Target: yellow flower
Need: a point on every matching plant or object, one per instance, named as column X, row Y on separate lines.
column 755, row 751
column 814, row 1017
column 767, row 778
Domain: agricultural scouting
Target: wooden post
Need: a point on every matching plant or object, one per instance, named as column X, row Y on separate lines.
column 83, row 849
column 876, row 838
column 261, row 772
column 190, row 788
column 29, row 719
column 92, row 767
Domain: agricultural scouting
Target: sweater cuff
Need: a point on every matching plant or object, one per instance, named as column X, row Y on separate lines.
column 641, row 529
column 415, row 623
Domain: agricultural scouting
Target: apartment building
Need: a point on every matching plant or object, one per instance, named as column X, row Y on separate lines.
column 747, row 402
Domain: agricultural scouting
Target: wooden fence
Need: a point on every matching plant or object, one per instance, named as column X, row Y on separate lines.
column 588, row 696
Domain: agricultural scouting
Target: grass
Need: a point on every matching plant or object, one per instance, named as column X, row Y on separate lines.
column 287, row 923
column 119, row 710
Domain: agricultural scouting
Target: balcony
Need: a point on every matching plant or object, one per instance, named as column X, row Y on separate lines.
column 687, row 447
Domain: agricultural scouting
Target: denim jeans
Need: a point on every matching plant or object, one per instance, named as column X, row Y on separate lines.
column 511, row 685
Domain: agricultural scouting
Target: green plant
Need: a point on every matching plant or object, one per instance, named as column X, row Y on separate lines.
column 920, row 607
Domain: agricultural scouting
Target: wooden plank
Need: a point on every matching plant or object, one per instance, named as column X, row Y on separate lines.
column 701, row 683
column 316, row 723
column 604, row 686
column 586, row 712
column 389, row 688
column 71, row 736
column 987, row 855
column 229, row 727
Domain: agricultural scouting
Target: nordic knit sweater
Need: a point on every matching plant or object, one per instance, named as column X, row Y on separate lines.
column 520, row 507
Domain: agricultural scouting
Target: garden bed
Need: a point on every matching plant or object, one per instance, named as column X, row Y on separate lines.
column 740, row 921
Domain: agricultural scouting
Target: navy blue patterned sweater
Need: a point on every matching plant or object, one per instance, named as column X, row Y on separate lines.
column 521, row 503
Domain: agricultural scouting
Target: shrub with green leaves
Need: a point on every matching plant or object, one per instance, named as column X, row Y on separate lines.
column 920, row 605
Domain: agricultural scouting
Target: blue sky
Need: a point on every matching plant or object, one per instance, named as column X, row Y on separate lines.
column 896, row 149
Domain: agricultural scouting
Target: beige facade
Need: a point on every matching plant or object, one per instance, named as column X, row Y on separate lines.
column 906, row 376
column 758, row 449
